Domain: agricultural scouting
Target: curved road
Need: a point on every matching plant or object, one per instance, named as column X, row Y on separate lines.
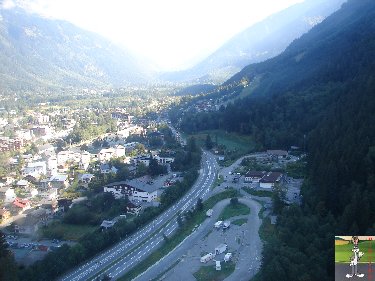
column 249, row 257
column 119, row 259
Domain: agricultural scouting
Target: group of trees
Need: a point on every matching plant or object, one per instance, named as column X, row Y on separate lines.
column 8, row 268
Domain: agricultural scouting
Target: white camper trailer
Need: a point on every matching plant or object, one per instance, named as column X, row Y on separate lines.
column 207, row 257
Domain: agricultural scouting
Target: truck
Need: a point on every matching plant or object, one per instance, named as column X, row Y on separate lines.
column 227, row 257
column 226, row 224
column 220, row 249
column 207, row 257
column 217, row 265
column 218, row 224
column 209, row 212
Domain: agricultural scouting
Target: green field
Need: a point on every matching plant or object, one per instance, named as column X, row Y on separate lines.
column 235, row 145
column 239, row 222
column 65, row 231
column 344, row 252
column 209, row 273
column 233, row 210
column 259, row 193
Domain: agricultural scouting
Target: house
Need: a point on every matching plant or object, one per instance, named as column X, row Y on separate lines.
column 133, row 208
column 85, row 160
column 85, row 178
column 44, row 184
column 279, row 154
column 123, row 189
column 254, row 176
column 35, row 169
column 8, row 194
column 142, row 159
column 22, row 204
column 46, row 149
column 107, row 154
column 107, row 224
column 164, row 160
column 270, row 179
column 68, row 156
column 106, row 169
column 52, row 165
column 23, row 183
column 121, row 116
column 59, row 181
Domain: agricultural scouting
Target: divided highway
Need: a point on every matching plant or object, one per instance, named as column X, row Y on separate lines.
column 122, row 257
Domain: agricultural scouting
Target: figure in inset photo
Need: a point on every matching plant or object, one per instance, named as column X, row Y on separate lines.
column 354, row 259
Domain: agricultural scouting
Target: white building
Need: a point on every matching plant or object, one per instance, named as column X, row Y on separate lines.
column 52, row 165
column 270, row 179
column 35, row 169
column 107, row 154
column 123, row 189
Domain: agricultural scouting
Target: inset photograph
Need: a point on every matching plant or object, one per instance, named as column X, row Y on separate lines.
column 354, row 257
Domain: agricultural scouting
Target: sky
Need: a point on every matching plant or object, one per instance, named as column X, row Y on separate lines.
column 173, row 34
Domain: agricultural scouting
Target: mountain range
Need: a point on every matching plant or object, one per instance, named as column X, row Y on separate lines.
column 37, row 52
column 259, row 42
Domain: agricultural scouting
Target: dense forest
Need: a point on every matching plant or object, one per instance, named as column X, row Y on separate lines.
column 322, row 90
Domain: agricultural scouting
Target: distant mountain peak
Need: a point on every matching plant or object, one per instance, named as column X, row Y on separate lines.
column 259, row 42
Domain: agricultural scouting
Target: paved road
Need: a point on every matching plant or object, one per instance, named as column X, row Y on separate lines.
column 341, row 269
column 248, row 259
column 126, row 254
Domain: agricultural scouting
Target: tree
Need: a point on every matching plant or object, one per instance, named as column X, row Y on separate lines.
column 8, row 268
column 209, row 143
column 234, row 201
column 199, row 205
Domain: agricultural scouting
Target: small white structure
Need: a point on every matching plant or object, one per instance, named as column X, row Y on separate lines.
column 220, row 249
column 217, row 265
column 227, row 257
column 207, row 257
column 209, row 212
column 226, row 224
column 218, row 224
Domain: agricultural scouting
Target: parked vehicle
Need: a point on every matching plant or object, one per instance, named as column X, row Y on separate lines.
column 220, row 249
column 227, row 257
column 226, row 224
column 218, row 224
column 218, row 265
column 207, row 257
column 209, row 212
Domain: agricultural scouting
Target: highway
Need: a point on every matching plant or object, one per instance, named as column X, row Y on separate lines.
column 248, row 258
column 122, row 257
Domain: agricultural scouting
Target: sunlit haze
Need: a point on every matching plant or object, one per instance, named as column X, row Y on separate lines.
column 172, row 34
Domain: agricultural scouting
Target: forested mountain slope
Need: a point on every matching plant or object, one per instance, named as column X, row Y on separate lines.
column 38, row 52
column 322, row 86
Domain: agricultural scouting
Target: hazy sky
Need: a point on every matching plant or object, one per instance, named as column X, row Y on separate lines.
column 172, row 33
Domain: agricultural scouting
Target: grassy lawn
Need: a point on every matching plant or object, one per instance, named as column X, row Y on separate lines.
column 65, row 231
column 233, row 210
column 259, row 193
column 344, row 252
column 235, row 145
column 209, row 273
column 218, row 181
column 239, row 222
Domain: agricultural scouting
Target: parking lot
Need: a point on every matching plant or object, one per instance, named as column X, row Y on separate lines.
column 26, row 250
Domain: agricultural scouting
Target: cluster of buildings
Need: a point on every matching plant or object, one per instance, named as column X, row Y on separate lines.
column 266, row 180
